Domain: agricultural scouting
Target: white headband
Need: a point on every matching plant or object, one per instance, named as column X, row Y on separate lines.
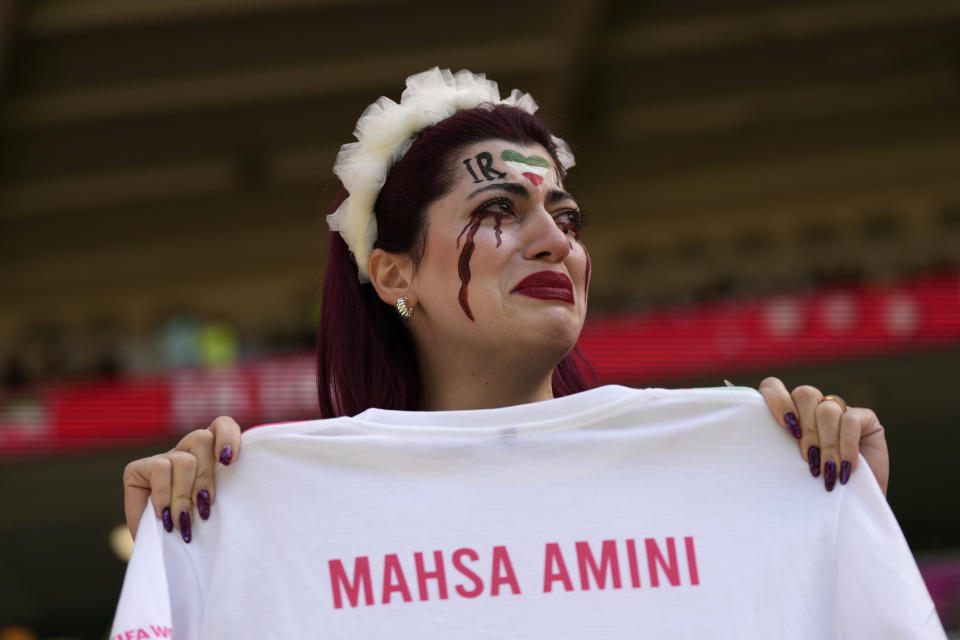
column 386, row 130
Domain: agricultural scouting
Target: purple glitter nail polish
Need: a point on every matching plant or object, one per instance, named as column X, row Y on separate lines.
column 844, row 471
column 813, row 457
column 166, row 519
column 226, row 455
column 203, row 503
column 793, row 426
column 185, row 526
column 830, row 475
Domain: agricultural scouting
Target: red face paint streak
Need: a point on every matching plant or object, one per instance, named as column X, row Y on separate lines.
column 571, row 229
column 586, row 277
column 497, row 219
column 463, row 265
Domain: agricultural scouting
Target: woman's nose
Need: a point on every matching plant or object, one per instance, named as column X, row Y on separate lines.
column 546, row 241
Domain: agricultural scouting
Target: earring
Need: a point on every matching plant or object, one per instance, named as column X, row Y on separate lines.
column 405, row 312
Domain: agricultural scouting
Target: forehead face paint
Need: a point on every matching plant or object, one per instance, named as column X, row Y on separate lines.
column 484, row 161
column 533, row 168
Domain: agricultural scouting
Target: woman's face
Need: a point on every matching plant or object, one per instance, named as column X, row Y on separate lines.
column 503, row 266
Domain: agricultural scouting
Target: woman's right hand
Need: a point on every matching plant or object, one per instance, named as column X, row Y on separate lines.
column 181, row 478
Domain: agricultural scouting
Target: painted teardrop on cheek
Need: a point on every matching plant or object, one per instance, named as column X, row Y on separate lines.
column 463, row 264
column 586, row 275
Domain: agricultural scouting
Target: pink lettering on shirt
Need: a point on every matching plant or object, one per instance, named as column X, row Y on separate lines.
column 144, row 633
column 600, row 565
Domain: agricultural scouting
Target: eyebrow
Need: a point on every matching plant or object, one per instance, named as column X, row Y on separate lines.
column 510, row 187
column 554, row 195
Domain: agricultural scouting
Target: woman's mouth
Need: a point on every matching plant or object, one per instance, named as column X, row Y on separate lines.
column 546, row 285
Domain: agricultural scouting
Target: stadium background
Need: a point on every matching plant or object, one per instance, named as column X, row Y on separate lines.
column 774, row 189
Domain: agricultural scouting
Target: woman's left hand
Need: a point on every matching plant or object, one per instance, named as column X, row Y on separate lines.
column 829, row 437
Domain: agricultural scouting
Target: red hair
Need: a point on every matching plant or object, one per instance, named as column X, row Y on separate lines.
column 365, row 356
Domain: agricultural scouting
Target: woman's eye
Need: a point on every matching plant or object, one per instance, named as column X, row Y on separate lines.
column 570, row 221
column 498, row 206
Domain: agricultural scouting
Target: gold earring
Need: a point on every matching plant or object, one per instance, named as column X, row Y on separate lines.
column 405, row 312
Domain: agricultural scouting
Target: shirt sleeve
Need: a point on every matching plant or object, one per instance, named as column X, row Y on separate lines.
column 880, row 590
column 144, row 607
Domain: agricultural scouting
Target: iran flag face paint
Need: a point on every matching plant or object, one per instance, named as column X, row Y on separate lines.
column 533, row 168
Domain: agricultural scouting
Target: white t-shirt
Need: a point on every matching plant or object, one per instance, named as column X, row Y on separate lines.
column 613, row 513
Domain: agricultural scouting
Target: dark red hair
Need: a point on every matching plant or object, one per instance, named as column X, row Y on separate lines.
column 365, row 356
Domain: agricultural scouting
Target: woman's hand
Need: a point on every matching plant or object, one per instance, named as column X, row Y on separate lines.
column 829, row 437
column 181, row 478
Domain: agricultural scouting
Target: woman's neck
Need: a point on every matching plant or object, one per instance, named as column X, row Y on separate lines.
column 482, row 387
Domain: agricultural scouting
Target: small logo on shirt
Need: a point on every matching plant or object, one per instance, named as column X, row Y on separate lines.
column 141, row 633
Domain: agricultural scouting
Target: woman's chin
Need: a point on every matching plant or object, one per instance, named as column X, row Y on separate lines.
column 553, row 332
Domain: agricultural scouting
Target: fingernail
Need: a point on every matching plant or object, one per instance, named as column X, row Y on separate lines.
column 226, row 455
column 792, row 425
column 203, row 503
column 166, row 519
column 830, row 475
column 844, row 471
column 813, row 456
column 185, row 526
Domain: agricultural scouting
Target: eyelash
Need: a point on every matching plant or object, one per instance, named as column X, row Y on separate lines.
column 495, row 201
column 580, row 218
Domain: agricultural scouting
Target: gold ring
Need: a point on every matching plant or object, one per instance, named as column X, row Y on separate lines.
column 838, row 400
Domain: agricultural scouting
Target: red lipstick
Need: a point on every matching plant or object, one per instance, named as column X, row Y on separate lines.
column 546, row 285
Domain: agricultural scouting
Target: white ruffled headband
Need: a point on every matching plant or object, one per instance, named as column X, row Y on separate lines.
column 386, row 130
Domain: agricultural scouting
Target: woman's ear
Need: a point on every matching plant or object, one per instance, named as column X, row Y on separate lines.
column 391, row 275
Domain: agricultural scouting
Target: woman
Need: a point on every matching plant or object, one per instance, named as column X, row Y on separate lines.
column 472, row 342
column 458, row 281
